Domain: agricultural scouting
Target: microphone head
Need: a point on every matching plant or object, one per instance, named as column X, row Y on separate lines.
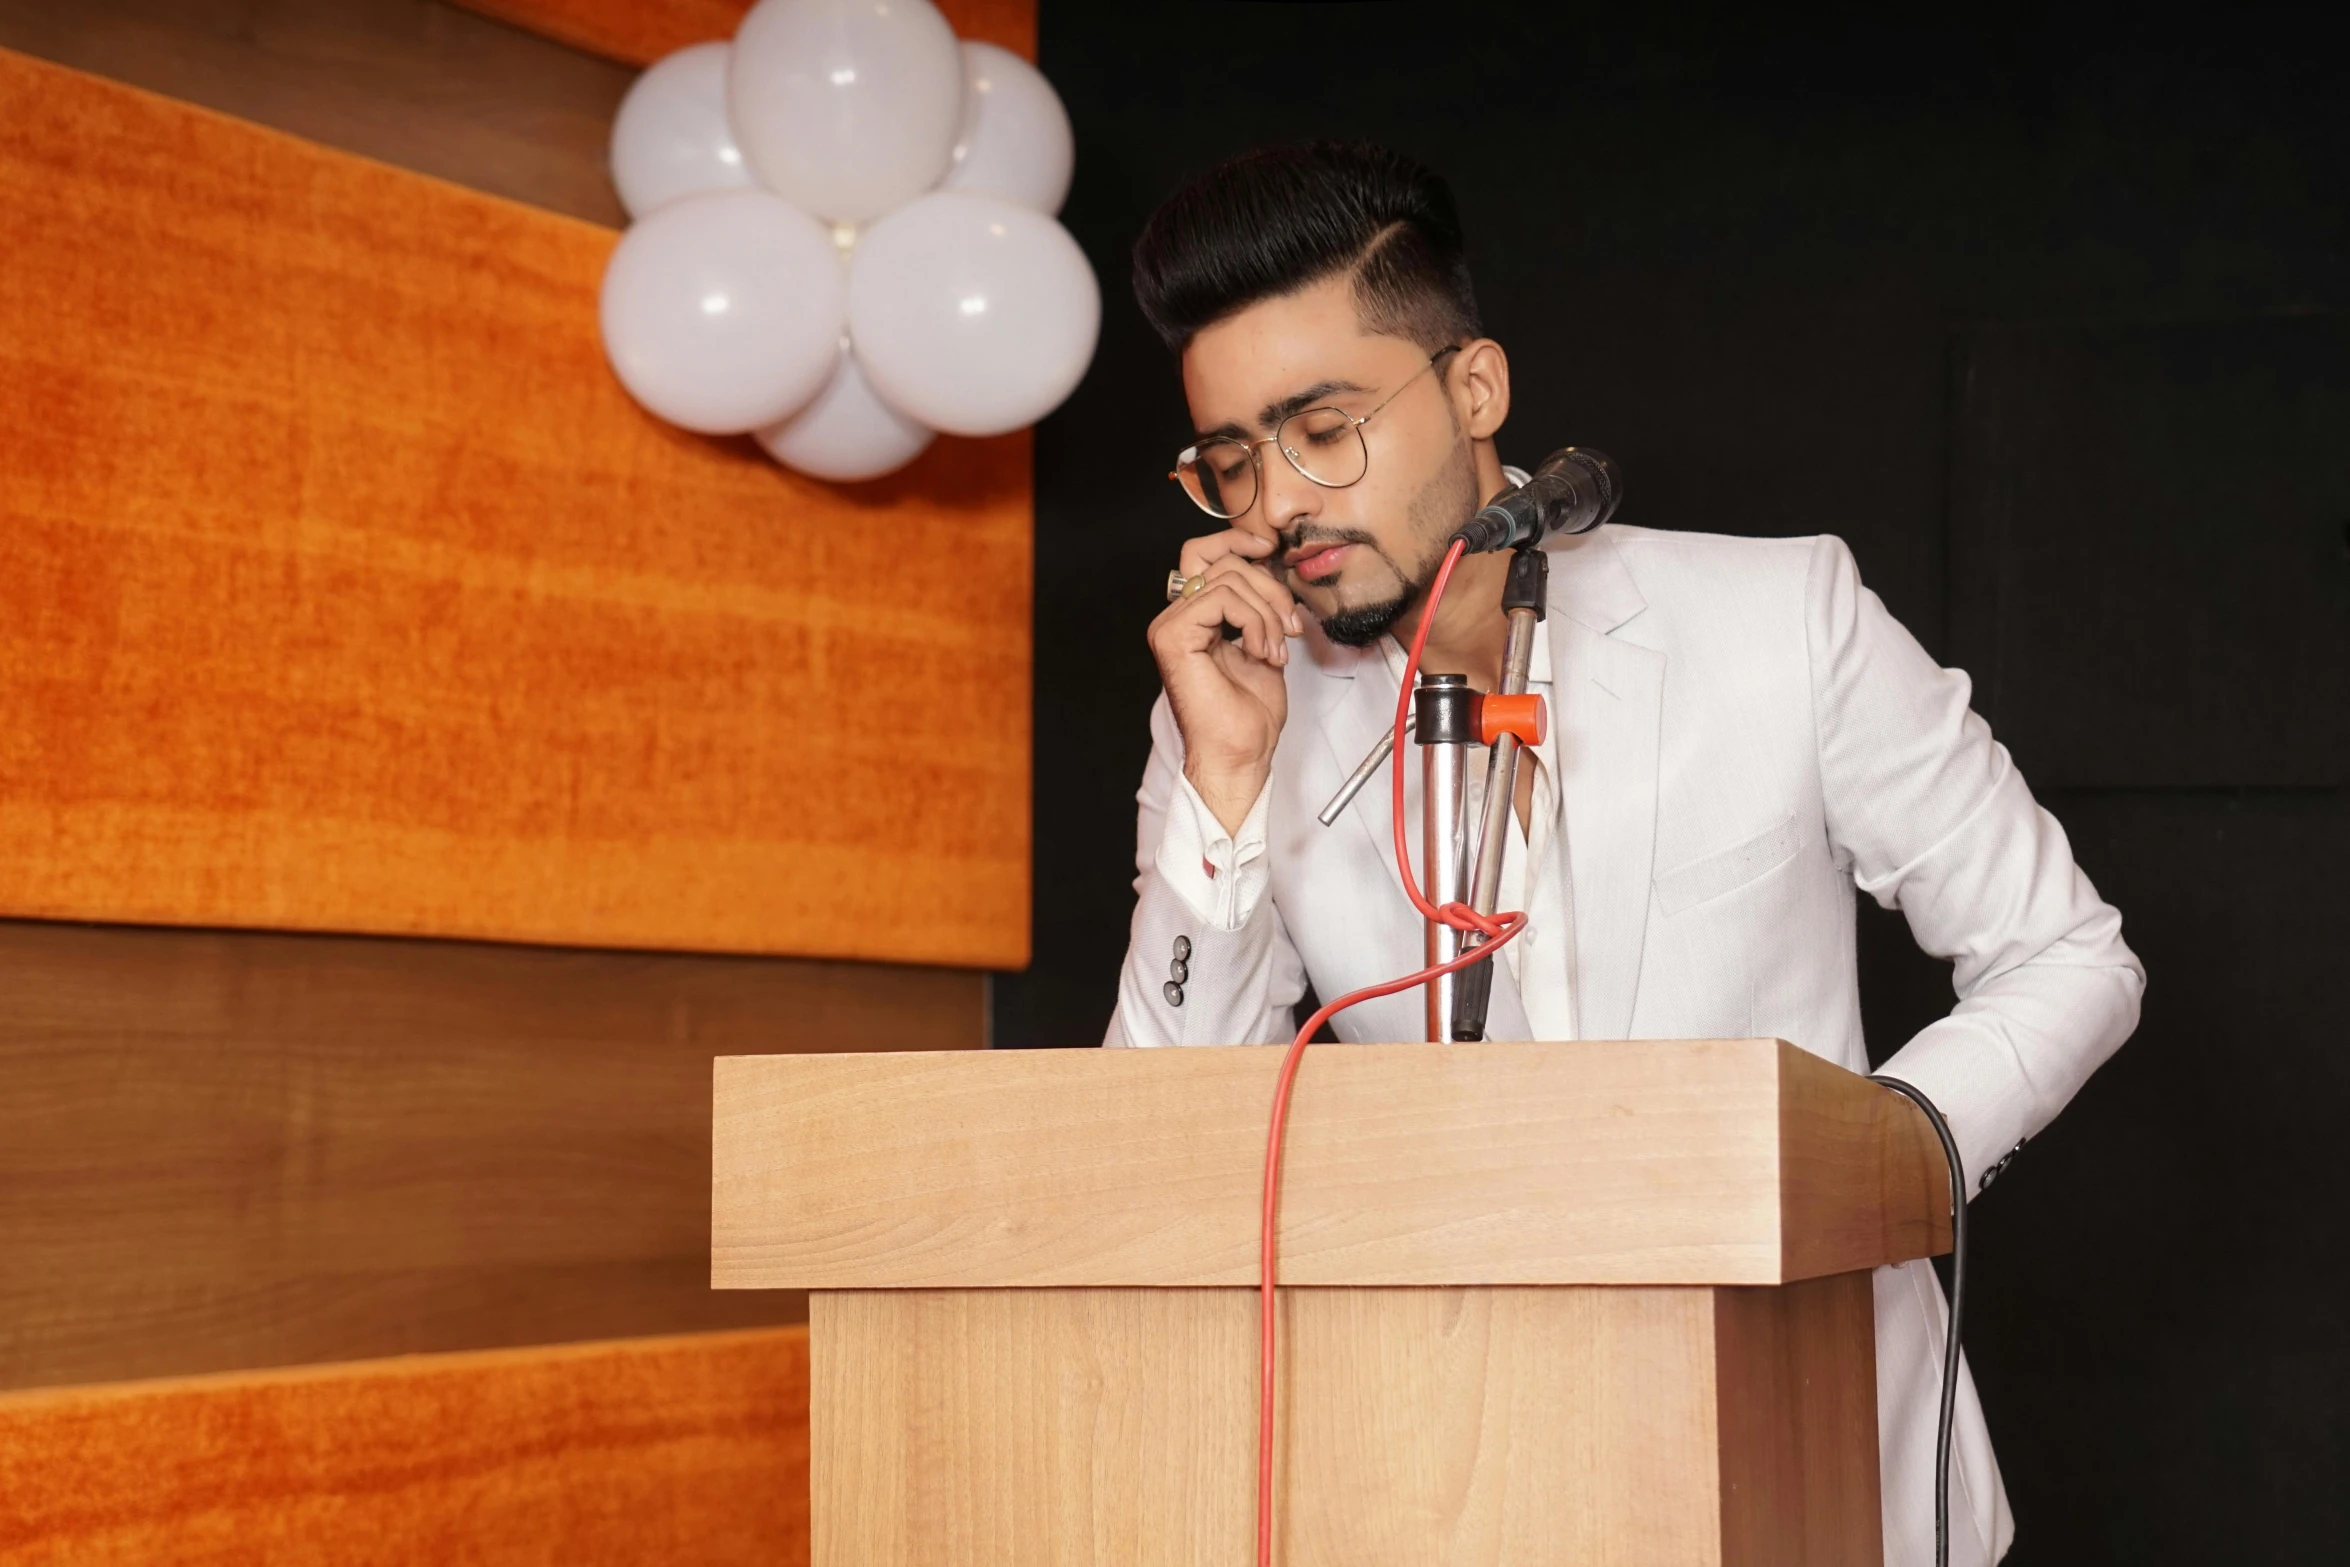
column 1575, row 490
column 1597, row 488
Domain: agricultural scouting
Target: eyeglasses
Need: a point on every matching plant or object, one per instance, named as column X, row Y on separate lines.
column 1324, row 444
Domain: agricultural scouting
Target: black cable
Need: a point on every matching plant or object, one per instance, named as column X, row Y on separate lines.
column 1957, row 1312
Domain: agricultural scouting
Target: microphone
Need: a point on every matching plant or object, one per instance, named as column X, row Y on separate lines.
column 1575, row 490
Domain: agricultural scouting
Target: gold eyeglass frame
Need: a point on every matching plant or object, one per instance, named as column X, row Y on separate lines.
column 1256, row 448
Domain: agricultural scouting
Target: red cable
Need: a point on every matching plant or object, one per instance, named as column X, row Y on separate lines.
column 1497, row 929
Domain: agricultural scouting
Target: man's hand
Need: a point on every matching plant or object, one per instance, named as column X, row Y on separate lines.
column 1228, row 697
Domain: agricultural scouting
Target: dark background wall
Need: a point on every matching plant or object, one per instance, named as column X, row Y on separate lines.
column 2044, row 319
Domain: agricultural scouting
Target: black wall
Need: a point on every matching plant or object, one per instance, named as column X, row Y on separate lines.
column 2045, row 319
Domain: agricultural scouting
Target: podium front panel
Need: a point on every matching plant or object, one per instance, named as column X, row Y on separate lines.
column 1475, row 1427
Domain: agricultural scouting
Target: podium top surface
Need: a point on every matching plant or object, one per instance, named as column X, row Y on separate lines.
column 1683, row 1162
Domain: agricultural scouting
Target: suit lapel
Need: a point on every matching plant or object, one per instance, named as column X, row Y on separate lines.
column 1610, row 695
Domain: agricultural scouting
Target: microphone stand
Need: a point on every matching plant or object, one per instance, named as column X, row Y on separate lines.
column 1524, row 598
column 1446, row 720
column 1573, row 491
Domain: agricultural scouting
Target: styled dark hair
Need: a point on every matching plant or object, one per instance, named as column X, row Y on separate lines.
column 1272, row 221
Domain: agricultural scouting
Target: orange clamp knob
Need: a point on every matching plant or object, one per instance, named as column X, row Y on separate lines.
column 1524, row 715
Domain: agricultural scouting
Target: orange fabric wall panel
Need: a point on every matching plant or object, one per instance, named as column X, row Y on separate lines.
column 641, row 31
column 606, row 1455
column 342, row 587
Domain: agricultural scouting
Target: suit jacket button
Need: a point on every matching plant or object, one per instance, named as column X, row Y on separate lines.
column 1179, row 971
column 1174, row 994
column 1183, row 949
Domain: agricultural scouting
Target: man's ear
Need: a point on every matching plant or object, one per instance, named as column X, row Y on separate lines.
column 1480, row 387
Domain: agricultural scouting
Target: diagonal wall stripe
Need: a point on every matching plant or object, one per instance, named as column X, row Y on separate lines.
column 641, row 31
column 342, row 588
column 416, row 83
column 691, row 1449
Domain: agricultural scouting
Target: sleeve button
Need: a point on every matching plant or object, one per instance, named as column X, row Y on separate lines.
column 1183, row 949
column 1179, row 971
column 1174, row 994
column 1998, row 1169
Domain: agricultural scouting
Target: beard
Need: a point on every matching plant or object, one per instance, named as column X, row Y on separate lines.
column 1367, row 623
column 1436, row 512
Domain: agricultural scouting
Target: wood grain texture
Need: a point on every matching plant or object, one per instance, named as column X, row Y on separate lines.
column 415, row 83
column 224, row 1150
column 1595, row 1163
column 1473, row 1427
column 342, row 588
column 973, row 1426
column 688, row 1449
column 1861, row 1173
column 641, row 31
column 1795, row 1382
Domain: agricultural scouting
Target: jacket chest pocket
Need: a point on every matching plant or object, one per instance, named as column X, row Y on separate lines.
column 1726, row 870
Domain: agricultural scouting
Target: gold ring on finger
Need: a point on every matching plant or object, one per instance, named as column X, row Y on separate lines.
column 1180, row 586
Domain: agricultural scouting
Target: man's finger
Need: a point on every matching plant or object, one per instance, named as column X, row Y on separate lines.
column 1201, row 553
column 1196, row 625
column 1266, row 586
column 1230, row 602
column 1264, row 629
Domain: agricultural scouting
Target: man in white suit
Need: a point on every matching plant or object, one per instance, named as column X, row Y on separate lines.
column 1741, row 736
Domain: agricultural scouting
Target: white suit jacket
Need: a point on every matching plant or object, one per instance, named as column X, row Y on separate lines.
column 1742, row 735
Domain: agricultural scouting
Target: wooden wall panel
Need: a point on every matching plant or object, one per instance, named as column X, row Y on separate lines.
column 417, row 83
column 342, row 588
column 641, row 31
column 609, row 1455
column 224, row 1150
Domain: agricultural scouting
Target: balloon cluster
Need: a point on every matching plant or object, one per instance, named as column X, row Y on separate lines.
column 843, row 238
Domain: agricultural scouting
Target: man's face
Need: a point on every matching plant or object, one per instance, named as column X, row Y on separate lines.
column 1356, row 557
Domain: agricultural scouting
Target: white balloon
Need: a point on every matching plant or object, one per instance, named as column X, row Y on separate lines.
column 723, row 312
column 1016, row 141
column 846, row 107
column 848, row 432
column 971, row 314
column 671, row 137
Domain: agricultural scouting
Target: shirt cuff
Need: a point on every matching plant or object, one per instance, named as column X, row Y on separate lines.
column 1221, row 876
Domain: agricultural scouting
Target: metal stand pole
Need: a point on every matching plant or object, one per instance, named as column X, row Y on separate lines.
column 1523, row 598
column 1445, row 712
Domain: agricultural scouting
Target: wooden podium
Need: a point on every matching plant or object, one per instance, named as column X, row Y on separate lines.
column 1542, row 1303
